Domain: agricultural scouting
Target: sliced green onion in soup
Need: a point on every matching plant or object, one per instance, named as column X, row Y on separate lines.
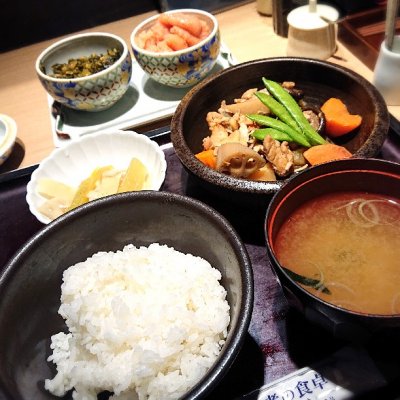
column 311, row 282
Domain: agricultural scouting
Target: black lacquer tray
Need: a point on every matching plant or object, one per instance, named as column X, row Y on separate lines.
column 280, row 340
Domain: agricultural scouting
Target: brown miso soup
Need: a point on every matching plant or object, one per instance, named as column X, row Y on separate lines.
column 345, row 249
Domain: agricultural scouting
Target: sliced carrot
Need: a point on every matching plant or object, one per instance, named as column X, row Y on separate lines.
column 338, row 119
column 208, row 158
column 325, row 152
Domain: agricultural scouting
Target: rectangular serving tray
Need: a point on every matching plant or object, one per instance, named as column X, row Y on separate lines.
column 145, row 102
column 280, row 340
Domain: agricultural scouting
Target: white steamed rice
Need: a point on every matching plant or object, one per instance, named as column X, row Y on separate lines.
column 148, row 320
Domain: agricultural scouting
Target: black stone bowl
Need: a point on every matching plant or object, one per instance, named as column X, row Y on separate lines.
column 320, row 80
column 30, row 286
column 365, row 175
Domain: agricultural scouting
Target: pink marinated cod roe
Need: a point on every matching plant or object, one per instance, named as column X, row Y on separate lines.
column 172, row 32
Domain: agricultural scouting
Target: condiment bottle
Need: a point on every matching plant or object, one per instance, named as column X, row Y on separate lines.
column 312, row 31
column 264, row 7
column 280, row 11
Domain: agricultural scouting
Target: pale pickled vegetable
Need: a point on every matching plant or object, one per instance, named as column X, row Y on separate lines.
column 103, row 181
column 107, row 184
column 86, row 186
column 53, row 208
column 135, row 177
column 49, row 188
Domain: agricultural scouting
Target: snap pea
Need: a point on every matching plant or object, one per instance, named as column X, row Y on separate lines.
column 278, row 109
column 294, row 110
column 274, row 133
column 314, row 283
column 264, row 120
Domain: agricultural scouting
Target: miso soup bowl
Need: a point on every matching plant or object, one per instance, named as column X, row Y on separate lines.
column 356, row 174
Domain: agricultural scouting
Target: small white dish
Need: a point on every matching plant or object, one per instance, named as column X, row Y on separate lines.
column 74, row 162
column 8, row 135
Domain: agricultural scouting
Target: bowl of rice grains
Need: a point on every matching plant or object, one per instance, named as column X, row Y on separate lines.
column 139, row 295
column 89, row 71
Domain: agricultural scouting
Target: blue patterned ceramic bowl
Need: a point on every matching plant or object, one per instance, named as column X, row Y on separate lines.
column 95, row 92
column 181, row 68
column 8, row 135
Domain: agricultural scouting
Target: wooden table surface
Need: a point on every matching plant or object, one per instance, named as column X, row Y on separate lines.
column 248, row 35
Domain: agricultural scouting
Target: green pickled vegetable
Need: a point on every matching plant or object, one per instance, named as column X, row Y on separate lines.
column 274, row 133
column 291, row 105
column 278, row 109
column 314, row 283
column 85, row 65
column 274, row 123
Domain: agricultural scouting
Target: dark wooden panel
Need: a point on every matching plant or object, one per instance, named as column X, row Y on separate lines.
column 363, row 33
column 26, row 22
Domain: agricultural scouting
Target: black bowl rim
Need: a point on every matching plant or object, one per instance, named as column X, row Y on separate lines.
column 337, row 166
column 189, row 161
column 231, row 347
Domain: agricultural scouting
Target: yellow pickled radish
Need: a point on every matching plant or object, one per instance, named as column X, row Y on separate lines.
column 134, row 178
column 86, row 186
column 53, row 208
column 49, row 188
column 107, row 185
